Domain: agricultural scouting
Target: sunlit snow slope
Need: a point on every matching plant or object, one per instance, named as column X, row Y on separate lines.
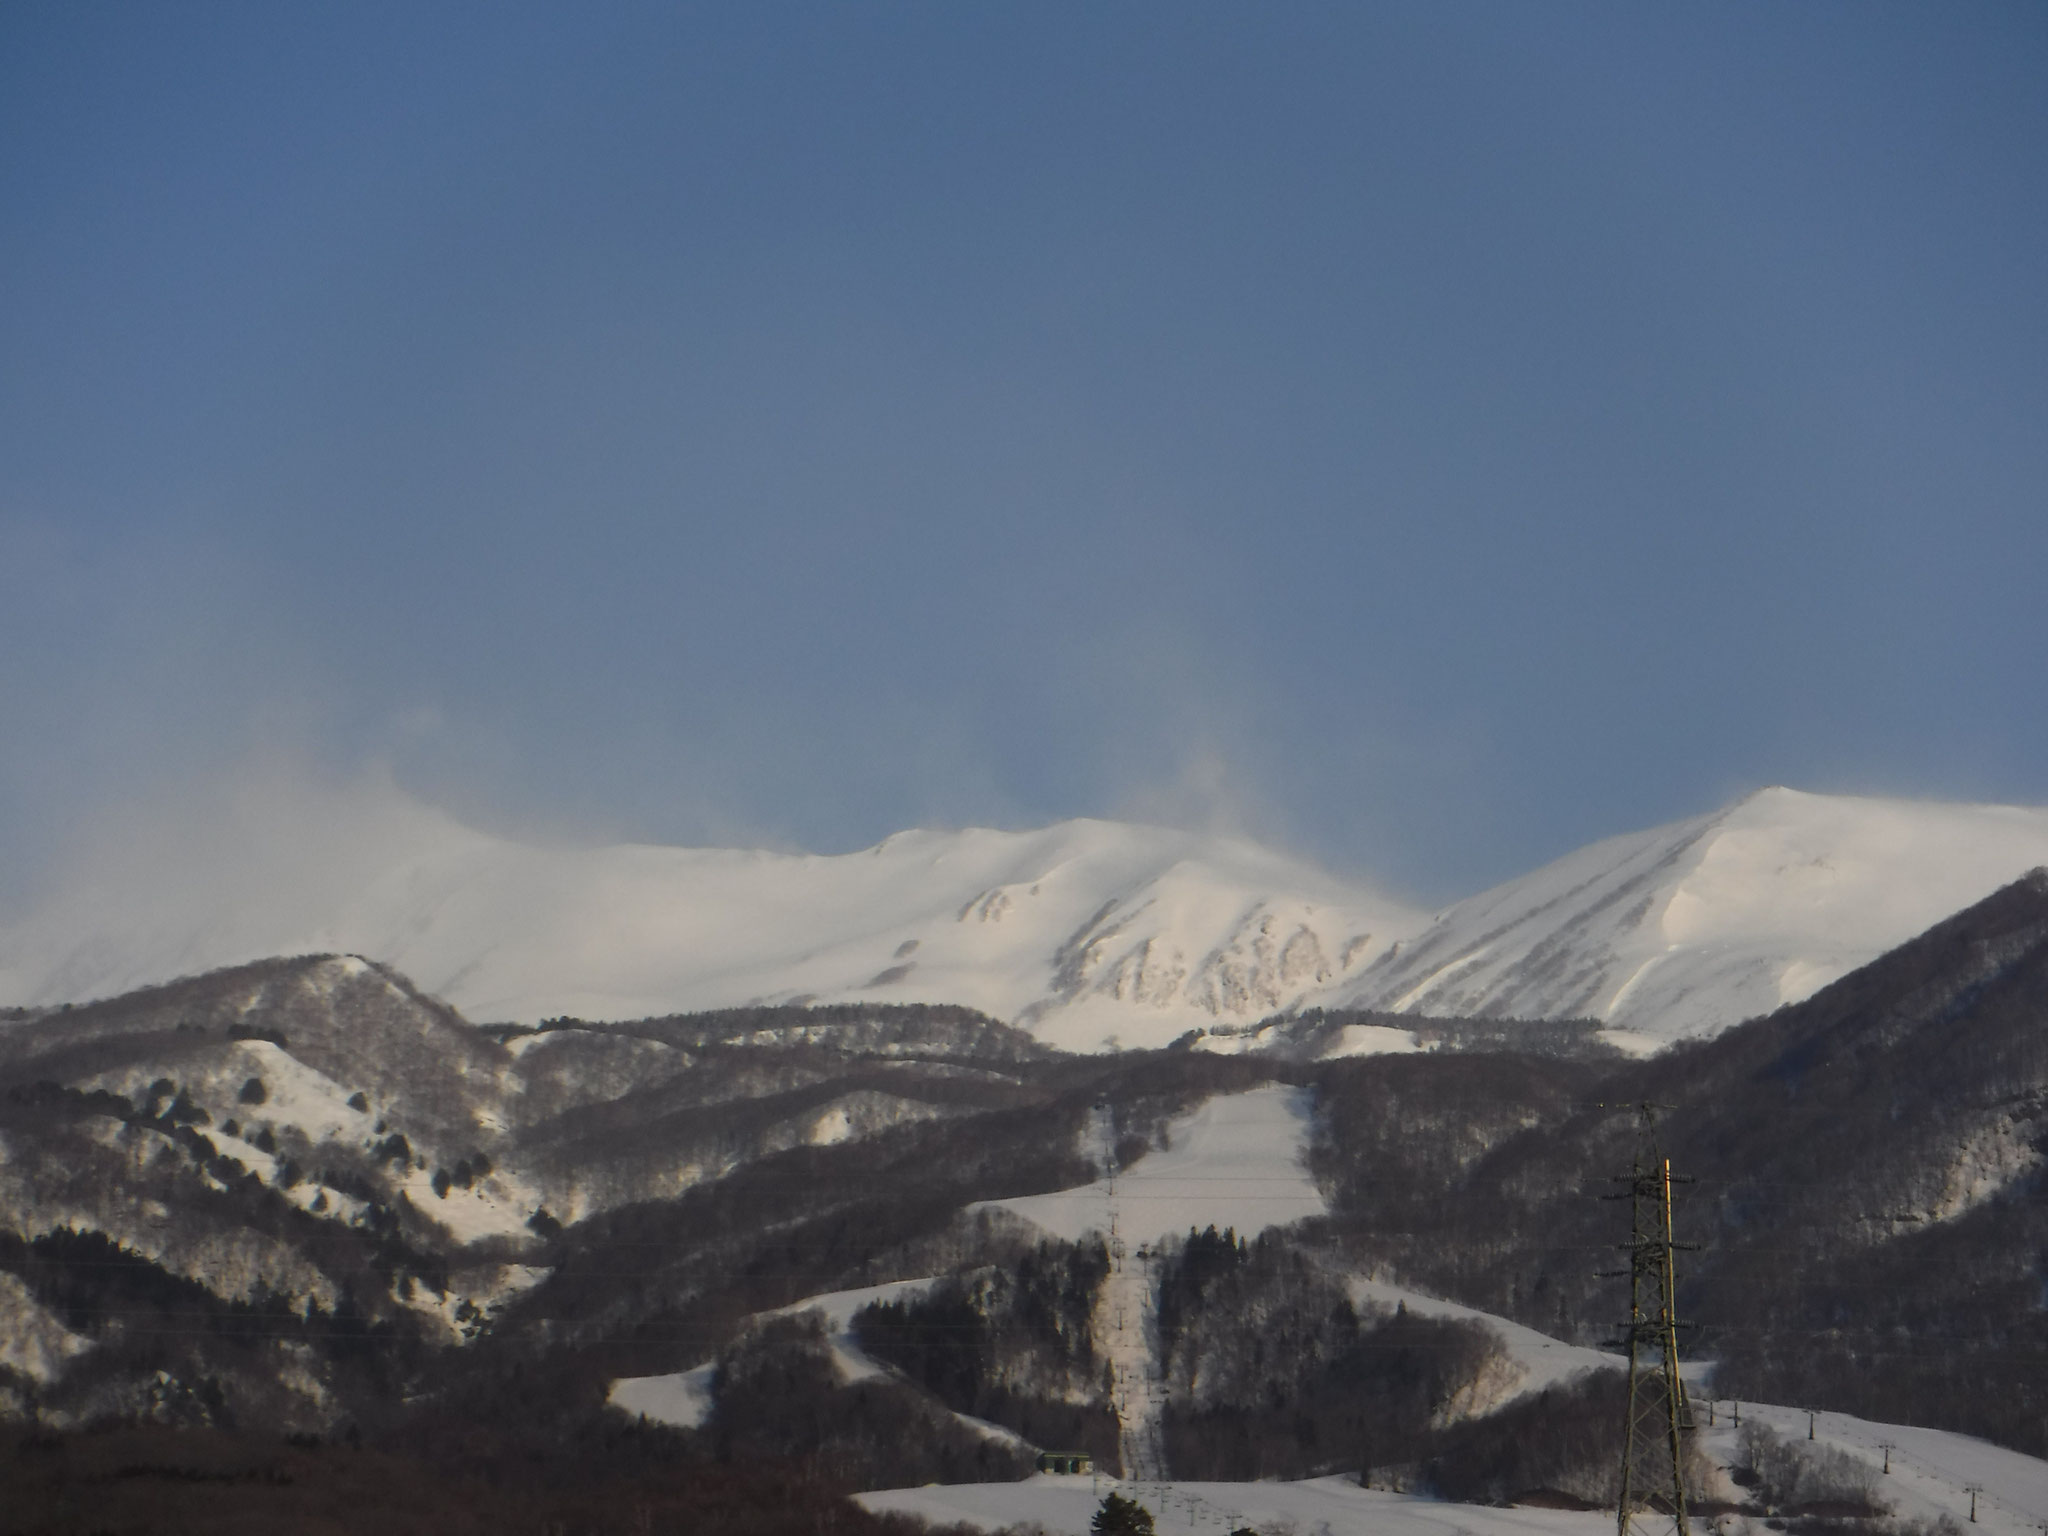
column 1687, row 928
column 1085, row 932
column 1233, row 1162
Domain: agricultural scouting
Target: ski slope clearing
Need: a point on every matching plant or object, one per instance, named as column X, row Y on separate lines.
column 1932, row 1469
column 684, row 1398
column 1932, row 1472
column 1544, row 1361
column 1087, row 932
column 1335, row 1504
column 839, row 1309
column 681, row 1399
column 1688, row 928
column 1233, row 1162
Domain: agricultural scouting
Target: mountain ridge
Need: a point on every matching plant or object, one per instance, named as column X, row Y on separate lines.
column 1091, row 934
column 1099, row 932
column 1690, row 927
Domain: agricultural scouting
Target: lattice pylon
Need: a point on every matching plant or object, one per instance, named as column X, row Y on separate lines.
column 1657, row 1417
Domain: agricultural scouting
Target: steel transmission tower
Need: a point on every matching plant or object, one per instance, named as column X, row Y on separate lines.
column 1658, row 1418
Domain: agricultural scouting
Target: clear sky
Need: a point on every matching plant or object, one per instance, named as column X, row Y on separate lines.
column 1427, row 436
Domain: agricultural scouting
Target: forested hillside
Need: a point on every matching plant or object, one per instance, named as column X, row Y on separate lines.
column 1866, row 1189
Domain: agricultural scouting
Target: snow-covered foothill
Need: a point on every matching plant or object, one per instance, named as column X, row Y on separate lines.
column 1932, row 1470
column 298, row 1095
column 1234, row 1161
column 497, row 1205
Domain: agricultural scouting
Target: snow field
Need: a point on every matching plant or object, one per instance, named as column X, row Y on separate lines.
column 681, row 1399
column 1233, row 1162
column 1352, row 1040
column 840, row 1308
column 497, row 1205
column 685, row 1399
column 1373, row 1040
column 1542, row 1361
column 298, row 1095
column 1067, row 1504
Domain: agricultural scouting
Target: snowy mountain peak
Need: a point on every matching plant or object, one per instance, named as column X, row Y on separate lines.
column 1687, row 928
column 1086, row 932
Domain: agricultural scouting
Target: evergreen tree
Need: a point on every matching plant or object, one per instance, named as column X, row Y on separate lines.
column 1120, row 1516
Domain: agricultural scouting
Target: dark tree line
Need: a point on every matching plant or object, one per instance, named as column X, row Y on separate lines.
column 1012, row 1344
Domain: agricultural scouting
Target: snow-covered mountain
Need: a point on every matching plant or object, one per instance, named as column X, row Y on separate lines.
column 312, row 1146
column 1086, row 932
column 1688, row 928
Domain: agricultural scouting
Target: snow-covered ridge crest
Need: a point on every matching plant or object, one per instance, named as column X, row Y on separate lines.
column 1086, row 930
column 1088, row 933
column 1687, row 928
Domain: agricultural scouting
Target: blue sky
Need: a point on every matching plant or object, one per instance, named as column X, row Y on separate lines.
column 1426, row 436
